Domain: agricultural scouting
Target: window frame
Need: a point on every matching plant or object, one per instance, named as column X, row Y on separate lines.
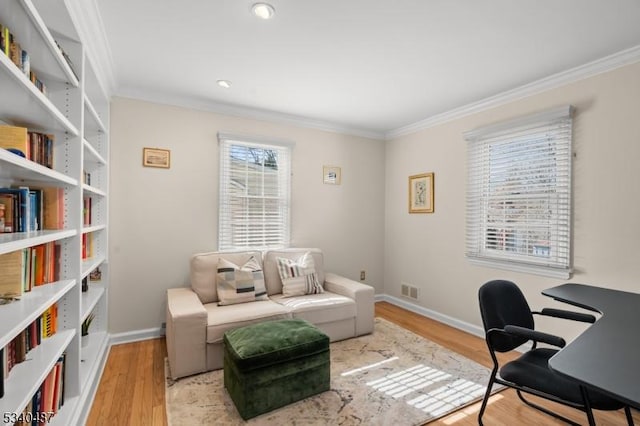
column 556, row 152
column 281, row 222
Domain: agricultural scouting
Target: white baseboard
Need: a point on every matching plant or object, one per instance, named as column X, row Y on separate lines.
column 429, row 313
column 135, row 336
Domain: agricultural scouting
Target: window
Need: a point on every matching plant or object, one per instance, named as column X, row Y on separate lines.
column 254, row 193
column 519, row 194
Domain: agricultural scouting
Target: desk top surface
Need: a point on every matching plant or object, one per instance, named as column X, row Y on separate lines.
column 606, row 355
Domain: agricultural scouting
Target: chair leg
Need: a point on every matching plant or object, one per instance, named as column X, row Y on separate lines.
column 587, row 406
column 627, row 412
column 487, row 394
column 545, row 410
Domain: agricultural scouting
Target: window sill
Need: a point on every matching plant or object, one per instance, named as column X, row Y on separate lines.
column 518, row 267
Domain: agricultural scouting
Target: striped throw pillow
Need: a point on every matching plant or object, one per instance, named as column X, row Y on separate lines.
column 298, row 276
column 240, row 284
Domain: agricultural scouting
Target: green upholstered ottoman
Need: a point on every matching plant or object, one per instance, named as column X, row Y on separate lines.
column 274, row 363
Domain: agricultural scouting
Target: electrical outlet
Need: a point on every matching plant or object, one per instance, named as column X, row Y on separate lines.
column 362, row 275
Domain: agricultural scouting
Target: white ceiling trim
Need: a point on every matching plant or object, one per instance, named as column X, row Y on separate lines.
column 247, row 112
column 91, row 27
column 88, row 21
column 608, row 63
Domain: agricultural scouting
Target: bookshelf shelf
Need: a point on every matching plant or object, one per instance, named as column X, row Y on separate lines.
column 92, row 190
column 94, row 121
column 91, row 154
column 25, row 378
column 93, row 228
column 19, row 240
column 90, row 299
column 18, row 167
column 31, row 108
column 89, row 265
column 19, row 314
column 75, row 110
column 49, row 56
column 97, row 344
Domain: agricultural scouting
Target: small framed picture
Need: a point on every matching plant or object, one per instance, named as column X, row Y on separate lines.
column 156, row 157
column 421, row 193
column 331, row 175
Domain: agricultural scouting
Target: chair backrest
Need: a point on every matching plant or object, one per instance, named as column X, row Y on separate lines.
column 502, row 303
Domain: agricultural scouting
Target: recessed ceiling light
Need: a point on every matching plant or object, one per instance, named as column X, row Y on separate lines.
column 263, row 10
column 224, row 83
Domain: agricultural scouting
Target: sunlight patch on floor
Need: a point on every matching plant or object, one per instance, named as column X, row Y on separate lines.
column 471, row 410
column 417, row 379
column 368, row 367
column 407, row 381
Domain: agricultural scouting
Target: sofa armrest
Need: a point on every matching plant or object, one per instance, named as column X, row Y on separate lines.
column 362, row 294
column 186, row 332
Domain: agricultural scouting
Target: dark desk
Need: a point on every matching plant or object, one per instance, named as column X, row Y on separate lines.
column 607, row 355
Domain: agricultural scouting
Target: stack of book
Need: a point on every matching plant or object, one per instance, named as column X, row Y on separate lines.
column 34, row 146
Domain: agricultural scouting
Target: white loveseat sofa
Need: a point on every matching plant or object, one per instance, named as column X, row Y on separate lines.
column 196, row 323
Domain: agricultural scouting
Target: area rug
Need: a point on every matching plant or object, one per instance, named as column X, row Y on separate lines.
column 390, row 377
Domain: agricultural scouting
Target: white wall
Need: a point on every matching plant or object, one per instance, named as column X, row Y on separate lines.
column 427, row 250
column 158, row 217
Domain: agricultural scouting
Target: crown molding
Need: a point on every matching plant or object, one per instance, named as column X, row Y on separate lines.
column 246, row 112
column 88, row 21
column 608, row 63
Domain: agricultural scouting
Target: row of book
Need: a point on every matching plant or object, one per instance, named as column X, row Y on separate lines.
column 87, row 246
column 86, row 177
column 24, row 269
column 32, row 209
column 47, row 400
column 86, row 211
column 34, row 146
column 19, row 347
column 10, row 47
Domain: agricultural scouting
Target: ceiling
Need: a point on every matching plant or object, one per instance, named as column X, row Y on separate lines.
column 367, row 66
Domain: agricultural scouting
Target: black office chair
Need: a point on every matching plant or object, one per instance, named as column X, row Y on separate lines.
column 508, row 323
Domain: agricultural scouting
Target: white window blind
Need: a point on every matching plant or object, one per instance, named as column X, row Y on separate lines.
column 255, row 182
column 518, row 212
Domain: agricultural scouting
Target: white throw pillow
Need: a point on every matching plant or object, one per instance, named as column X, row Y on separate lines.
column 298, row 276
column 240, row 284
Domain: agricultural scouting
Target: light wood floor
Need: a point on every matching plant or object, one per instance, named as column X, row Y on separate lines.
column 131, row 391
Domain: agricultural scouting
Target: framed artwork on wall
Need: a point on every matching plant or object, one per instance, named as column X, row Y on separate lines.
column 331, row 175
column 421, row 193
column 156, row 157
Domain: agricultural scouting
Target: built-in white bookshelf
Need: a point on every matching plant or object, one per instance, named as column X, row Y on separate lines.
column 75, row 110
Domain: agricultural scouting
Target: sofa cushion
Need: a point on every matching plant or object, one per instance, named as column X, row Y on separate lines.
column 204, row 268
column 318, row 308
column 223, row 318
column 240, row 284
column 298, row 276
column 270, row 266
